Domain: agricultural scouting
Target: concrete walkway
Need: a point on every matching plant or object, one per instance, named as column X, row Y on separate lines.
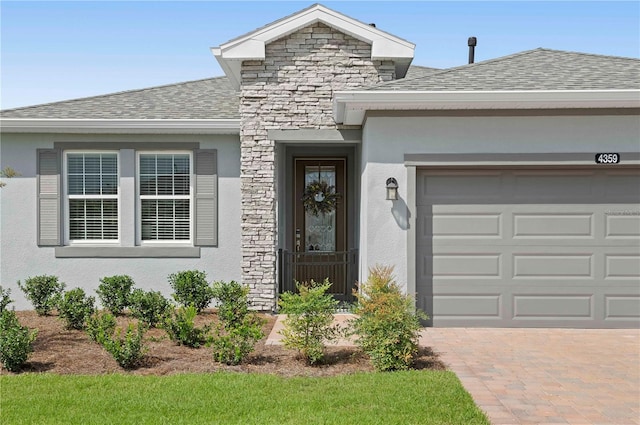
column 546, row 376
column 541, row 376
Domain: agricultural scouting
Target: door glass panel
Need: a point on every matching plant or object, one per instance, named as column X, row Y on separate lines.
column 320, row 230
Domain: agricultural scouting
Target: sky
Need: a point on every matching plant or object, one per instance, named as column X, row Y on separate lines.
column 52, row 51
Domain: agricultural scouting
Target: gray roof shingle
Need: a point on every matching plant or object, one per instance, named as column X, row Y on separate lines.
column 538, row 69
column 202, row 99
column 215, row 98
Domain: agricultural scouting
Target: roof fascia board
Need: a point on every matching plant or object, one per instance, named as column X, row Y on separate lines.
column 155, row 126
column 350, row 106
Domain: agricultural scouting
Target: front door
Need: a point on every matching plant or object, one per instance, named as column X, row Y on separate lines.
column 320, row 224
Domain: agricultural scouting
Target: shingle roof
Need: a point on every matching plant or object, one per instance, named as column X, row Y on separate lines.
column 215, row 98
column 539, row 69
column 202, row 99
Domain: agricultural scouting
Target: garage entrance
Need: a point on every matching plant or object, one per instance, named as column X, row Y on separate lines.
column 529, row 247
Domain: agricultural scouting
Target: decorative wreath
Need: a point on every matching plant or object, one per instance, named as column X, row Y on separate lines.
column 319, row 198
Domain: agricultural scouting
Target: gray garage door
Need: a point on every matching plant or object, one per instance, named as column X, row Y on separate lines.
column 529, row 248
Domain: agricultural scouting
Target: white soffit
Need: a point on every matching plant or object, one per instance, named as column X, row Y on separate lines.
column 384, row 46
column 350, row 107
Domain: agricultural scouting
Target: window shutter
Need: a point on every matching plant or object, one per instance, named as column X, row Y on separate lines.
column 206, row 197
column 49, row 233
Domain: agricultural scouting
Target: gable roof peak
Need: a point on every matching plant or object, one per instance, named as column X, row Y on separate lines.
column 251, row 46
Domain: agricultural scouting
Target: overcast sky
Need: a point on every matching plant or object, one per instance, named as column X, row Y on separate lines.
column 53, row 51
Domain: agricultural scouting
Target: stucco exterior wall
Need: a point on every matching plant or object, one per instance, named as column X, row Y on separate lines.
column 385, row 224
column 21, row 258
column 291, row 89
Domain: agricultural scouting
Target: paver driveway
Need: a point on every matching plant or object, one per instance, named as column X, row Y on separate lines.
column 546, row 376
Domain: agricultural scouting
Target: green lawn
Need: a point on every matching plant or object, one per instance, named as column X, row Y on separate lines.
column 416, row 397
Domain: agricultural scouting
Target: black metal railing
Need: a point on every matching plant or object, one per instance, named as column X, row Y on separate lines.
column 340, row 267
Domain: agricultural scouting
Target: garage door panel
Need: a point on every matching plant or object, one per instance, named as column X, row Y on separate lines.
column 620, row 225
column 556, row 266
column 553, row 307
column 622, row 307
column 622, row 267
column 554, row 248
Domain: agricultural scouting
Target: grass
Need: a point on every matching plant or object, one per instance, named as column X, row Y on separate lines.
column 415, row 397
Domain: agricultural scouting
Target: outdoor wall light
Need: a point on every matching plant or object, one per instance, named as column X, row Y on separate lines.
column 392, row 189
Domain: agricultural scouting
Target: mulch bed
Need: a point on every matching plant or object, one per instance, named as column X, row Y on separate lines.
column 61, row 351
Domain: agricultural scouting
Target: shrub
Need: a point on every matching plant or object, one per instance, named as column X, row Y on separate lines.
column 127, row 350
column 238, row 329
column 182, row 330
column 101, row 326
column 310, row 314
column 149, row 307
column 387, row 325
column 115, row 292
column 16, row 341
column 75, row 307
column 43, row 292
column 191, row 288
column 4, row 298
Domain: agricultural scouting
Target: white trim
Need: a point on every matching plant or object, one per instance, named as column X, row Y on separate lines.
column 350, row 107
column 384, row 46
column 116, row 126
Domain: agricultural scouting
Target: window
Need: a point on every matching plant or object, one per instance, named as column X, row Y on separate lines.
column 123, row 199
column 165, row 196
column 92, row 196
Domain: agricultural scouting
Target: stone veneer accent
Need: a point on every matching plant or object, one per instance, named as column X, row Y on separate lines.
column 291, row 89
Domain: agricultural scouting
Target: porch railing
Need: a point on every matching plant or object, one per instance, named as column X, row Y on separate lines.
column 340, row 267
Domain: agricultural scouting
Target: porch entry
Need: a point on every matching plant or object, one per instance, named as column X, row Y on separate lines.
column 319, row 228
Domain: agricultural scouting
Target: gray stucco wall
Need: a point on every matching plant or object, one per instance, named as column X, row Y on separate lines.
column 20, row 257
column 385, row 225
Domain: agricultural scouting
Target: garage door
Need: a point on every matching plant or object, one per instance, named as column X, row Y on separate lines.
column 529, row 248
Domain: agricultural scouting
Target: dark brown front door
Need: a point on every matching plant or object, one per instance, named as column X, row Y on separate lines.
column 320, row 240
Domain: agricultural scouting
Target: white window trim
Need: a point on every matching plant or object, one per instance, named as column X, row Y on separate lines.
column 65, row 189
column 138, row 219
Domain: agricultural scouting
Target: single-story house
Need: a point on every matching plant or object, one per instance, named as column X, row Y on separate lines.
column 504, row 192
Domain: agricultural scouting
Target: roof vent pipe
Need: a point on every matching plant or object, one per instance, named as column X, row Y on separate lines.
column 472, row 43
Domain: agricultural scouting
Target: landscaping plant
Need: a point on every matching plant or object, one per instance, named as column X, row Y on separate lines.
column 43, row 292
column 238, row 329
column 100, row 326
column 310, row 314
column 4, row 298
column 149, row 307
column 75, row 307
column 191, row 288
column 128, row 349
column 115, row 292
column 387, row 327
column 182, row 330
column 16, row 341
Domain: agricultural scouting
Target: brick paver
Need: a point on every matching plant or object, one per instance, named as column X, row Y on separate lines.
column 546, row 376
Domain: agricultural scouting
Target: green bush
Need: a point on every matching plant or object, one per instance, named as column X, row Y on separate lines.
column 101, row 326
column 182, row 330
column 127, row 350
column 191, row 288
column 115, row 292
column 16, row 341
column 149, row 307
column 75, row 307
column 308, row 325
column 43, row 292
column 4, row 298
column 238, row 329
column 387, row 326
